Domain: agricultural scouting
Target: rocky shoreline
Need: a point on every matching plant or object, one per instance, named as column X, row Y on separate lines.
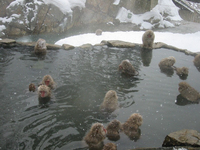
column 9, row 43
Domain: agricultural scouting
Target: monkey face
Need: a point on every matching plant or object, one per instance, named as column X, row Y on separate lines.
column 43, row 91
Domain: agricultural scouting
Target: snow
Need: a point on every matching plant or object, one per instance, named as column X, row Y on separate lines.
column 188, row 41
column 116, row 2
column 66, row 5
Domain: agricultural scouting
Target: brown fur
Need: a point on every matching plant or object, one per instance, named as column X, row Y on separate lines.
column 32, row 87
column 148, row 39
column 188, row 92
column 197, row 61
column 94, row 138
column 113, row 130
column 48, row 78
column 127, row 68
column 44, row 98
column 167, row 63
column 110, row 146
column 98, row 32
column 110, row 102
column 131, row 126
column 182, row 72
column 40, row 47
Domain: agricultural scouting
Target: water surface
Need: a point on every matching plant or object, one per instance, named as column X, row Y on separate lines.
column 83, row 76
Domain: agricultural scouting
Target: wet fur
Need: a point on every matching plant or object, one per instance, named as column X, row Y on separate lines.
column 32, row 87
column 110, row 102
column 40, row 47
column 182, row 72
column 95, row 136
column 127, row 68
column 47, row 97
column 167, row 63
column 113, row 129
column 51, row 81
column 110, row 146
column 148, row 39
column 188, row 92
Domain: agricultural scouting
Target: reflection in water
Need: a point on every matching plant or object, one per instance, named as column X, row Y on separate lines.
column 83, row 77
column 180, row 100
column 146, row 56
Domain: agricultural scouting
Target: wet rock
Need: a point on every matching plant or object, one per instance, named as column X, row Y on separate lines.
column 6, row 43
column 120, row 44
column 53, row 46
column 86, row 46
column 67, row 47
column 182, row 138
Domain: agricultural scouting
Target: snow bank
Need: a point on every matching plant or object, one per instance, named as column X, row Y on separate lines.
column 183, row 41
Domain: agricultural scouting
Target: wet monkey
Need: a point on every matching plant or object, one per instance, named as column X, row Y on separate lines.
column 32, row 87
column 127, row 68
column 148, row 39
column 44, row 94
column 110, row 146
column 48, row 80
column 40, row 47
column 113, row 129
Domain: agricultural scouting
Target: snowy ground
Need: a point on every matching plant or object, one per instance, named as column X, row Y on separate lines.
column 189, row 41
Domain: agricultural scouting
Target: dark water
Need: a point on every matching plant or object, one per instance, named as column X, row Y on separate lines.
column 83, row 77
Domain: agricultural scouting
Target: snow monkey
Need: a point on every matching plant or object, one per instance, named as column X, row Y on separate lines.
column 182, row 72
column 110, row 102
column 167, row 63
column 197, row 61
column 188, row 92
column 94, row 138
column 98, row 32
column 48, row 80
column 148, row 39
column 110, row 146
column 113, row 129
column 32, row 87
column 127, row 68
column 44, row 94
column 40, row 47
column 131, row 126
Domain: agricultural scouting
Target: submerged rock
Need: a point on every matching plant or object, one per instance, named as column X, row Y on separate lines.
column 184, row 137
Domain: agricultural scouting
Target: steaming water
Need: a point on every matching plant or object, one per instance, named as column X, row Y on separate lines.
column 83, row 77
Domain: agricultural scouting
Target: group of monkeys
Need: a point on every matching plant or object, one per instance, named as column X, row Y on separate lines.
column 97, row 133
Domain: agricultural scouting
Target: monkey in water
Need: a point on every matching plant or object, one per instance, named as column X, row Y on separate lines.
column 113, row 129
column 98, row 32
column 131, row 126
column 110, row 102
column 148, row 39
column 196, row 61
column 32, row 87
column 44, row 94
column 110, row 146
column 94, row 138
column 182, row 72
column 40, row 47
column 188, row 92
column 127, row 68
column 166, row 65
column 48, row 80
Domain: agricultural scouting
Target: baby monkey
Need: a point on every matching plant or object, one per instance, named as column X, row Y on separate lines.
column 113, row 129
column 110, row 102
column 94, row 138
column 148, row 39
column 32, row 87
column 127, row 68
column 188, row 92
column 44, row 94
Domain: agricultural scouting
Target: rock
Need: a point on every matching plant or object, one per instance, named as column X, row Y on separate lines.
column 120, row 44
column 182, row 138
column 7, row 41
column 67, row 47
column 53, row 46
column 86, row 46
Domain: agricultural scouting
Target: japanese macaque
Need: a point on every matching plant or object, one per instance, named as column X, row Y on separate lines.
column 197, row 61
column 48, row 80
column 44, row 94
column 131, row 126
column 98, row 32
column 127, row 68
column 32, row 87
column 40, row 47
column 166, row 65
column 94, row 138
column 113, row 129
column 110, row 102
column 188, row 92
column 148, row 39
column 110, row 146
column 182, row 72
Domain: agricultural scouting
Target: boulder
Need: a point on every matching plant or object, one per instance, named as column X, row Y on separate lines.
column 120, row 44
column 67, row 47
column 184, row 137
